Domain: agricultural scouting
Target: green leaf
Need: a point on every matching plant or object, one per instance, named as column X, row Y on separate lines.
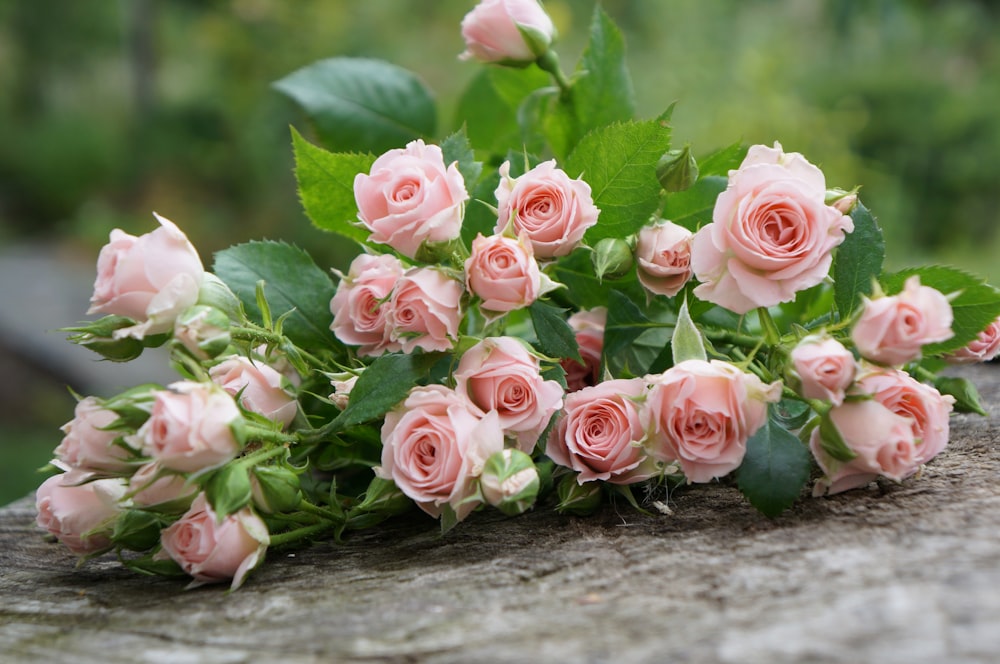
column 228, row 489
column 624, row 324
column 326, row 186
column 692, row 208
column 357, row 104
column 774, row 470
column 138, row 530
column 965, row 393
column 489, row 106
column 152, row 566
column 722, row 161
column 555, row 336
column 858, row 261
column 292, row 281
column 686, row 341
column 976, row 305
column 456, row 148
column 382, row 385
column 619, row 163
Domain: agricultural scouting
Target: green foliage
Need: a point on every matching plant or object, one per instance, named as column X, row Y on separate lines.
column 382, row 385
column 965, row 393
column 489, row 107
column 555, row 337
column 692, row 208
column 858, row 261
column 456, row 148
column 774, row 470
column 686, row 342
column 228, row 489
column 358, row 104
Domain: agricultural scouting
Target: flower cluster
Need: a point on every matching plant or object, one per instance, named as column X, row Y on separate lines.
column 548, row 320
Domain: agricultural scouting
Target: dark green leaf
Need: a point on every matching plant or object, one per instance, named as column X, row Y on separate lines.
column 624, row 324
column 138, row 530
column 382, row 385
column 228, row 489
column 152, row 566
column 774, row 470
column 456, row 148
column 555, row 337
column 358, row 104
column 489, row 106
column 291, row 281
column 858, row 261
column 965, row 393
column 692, row 208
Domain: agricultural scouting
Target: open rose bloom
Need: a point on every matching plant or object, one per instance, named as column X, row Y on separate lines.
column 893, row 330
column 78, row 512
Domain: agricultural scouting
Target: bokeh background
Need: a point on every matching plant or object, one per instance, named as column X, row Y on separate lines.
column 109, row 110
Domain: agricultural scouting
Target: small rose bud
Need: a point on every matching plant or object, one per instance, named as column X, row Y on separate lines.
column 275, row 489
column 507, row 32
column 342, row 384
column 843, row 201
column 578, row 499
column 612, row 257
column 98, row 337
column 510, row 481
column 215, row 293
column 203, row 330
column 677, row 170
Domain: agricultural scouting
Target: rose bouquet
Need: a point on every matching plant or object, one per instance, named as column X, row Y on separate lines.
column 550, row 306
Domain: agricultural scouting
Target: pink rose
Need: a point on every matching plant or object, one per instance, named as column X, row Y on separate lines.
column 507, row 31
column 892, row 330
column 985, row 347
column 599, row 434
column 259, row 388
column 190, row 427
column 150, row 279
column 499, row 374
column 544, row 204
column 882, row 440
column 88, row 444
column 342, row 385
column 825, row 368
column 81, row 516
column 434, row 446
column 927, row 409
column 701, row 414
column 503, row 273
column 410, row 197
column 424, row 310
column 663, row 251
column 771, row 233
column 588, row 326
column 360, row 304
column 214, row 550
column 153, row 485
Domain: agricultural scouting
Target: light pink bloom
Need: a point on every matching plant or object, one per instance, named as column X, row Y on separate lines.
column 503, row 273
column 434, row 446
column 588, row 326
column 81, row 516
column 598, row 436
column 213, row 550
column 342, row 385
column 547, row 206
column 424, row 311
column 927, row 409
column 663, row 252
column 410, row 197
column 153, row 485
column 882, row 440
column 150, row 279
column 493, row 31
column 259, row 387
column 190, row 427
column 771, row 233
column 985, row 347
column 88, row 445
column 701, row 414
column 360, row 305
column 499, row 374
column 825, row 368
column 892, row 330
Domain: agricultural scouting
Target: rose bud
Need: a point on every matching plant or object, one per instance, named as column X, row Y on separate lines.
column 203, row 331
column 502, row 272
column 275, row 489
column 509, row 32
column 578, row 499
column 342, row 384
column 361, row 305
column 153, row 485
column 823, row 368
column 510, row 481
column 89, row 444
column 985, row 347
column 663, row 251
column 258, row 387
column 424, row 310
column 588, row 329
column 893, row 329
column 612, row 257
column 81, row 516
column 677, row 170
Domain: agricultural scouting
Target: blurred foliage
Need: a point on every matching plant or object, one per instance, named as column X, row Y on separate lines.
column 111, row 110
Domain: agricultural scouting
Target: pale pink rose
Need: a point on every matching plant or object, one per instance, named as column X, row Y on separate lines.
column 588, row 328
column 599, row 433
column 985, row 347
column 503, row 273
column 190, row 427
column 342, row 385
column 153, row 485
column 259, row 387
column 88, row 444
column 882, row 440
column 425, row 310
column 360, row 305
column 927, row 409
column 771, row 233
column 701, row 414
column 825, row 368
column 150, row 279
column 214, row 550
column 81, row 516
column 499, row 374
column 663, row 252
column 493, row 31
column 547, row 206
column 410, row 197
column 892, row 330
column 434, row 446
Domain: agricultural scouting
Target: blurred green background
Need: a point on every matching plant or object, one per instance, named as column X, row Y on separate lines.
column 109, row 110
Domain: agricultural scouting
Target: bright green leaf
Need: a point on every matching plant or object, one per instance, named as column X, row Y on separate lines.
column 692, row 208
column 858, row 261
column 382, row 385
column 722, row 161
column 687, row 342
column 965, row 393
column 228, row 489
column 456, row 148
column 774, row 470
column 555, row 337
column 489, row 106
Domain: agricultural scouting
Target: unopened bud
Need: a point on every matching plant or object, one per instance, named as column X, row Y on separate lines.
column 215, row 293
column 844, row 201
column 578, row 499
column 510, row 481
column 98, row 337
column 612, row 257
column 275, row 489
column 677, row 170
column 203, row 330
column 342, row 384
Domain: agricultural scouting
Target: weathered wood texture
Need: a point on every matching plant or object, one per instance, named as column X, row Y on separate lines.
column 893, row 573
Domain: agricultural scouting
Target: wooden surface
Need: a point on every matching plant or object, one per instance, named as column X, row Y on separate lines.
column 893, row 573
